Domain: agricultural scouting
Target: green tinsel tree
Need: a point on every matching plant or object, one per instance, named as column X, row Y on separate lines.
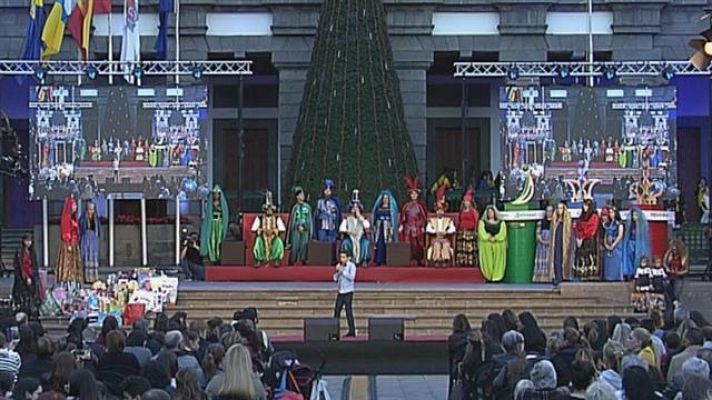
column 351, row 126
column 118, row 121
column 587, row 122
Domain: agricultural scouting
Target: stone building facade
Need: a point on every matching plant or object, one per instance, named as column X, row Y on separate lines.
column 426, row 37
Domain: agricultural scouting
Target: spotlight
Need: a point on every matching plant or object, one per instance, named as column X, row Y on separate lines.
column 668, row 73
column 564, row 71
column 609, row 73
column 40, row 73
column 137, row 72
column 197, row 72
column 513, row 73
column 92, row 72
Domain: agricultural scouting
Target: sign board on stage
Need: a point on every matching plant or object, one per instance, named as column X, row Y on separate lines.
column 123, row 141
column 650, row 215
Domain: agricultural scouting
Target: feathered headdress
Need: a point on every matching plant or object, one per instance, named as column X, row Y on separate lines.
column 440, row 202
column 412, row 183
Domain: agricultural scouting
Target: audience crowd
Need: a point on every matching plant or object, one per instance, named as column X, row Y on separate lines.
column 169, row 360
column 510, row 357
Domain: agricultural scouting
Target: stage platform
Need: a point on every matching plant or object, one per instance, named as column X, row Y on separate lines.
column 374, row 274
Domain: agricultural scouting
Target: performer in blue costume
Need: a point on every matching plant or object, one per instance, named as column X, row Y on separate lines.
column 384, row 219
column 355, row 230
column 328, row 214
column 636, row 244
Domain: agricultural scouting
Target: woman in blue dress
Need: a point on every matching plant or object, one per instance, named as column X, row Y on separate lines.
column 384, row 222
column 613, row 231
column 636, row 244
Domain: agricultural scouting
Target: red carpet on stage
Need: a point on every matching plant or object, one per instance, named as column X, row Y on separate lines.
column 325, row 274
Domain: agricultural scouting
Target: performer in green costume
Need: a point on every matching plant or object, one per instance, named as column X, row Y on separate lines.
column 214, row 227
column 268, row 247
column 301, row 228
column 492, row 237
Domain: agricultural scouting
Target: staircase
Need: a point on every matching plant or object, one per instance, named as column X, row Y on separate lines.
column 10, row 243
column 426, row 312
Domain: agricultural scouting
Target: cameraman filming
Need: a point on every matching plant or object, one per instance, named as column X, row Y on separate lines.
column 191, row 261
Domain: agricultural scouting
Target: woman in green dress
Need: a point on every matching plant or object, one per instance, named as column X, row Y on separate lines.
column 214, row 227
column 492, row 240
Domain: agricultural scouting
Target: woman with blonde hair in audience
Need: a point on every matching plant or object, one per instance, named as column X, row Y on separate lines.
column 611, row 364
column 621, row 332
column 238, row 382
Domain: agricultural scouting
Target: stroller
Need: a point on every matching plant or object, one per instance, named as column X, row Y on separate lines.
column 292, row 380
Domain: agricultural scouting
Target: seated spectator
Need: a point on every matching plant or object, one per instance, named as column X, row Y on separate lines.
column 534, row 338
column 582, row 374
column 511, row 366
column 239, row 381
column 179, row 321
column 42, row 366
column 637, row 384
column 571, row 323
column 601, row 391
column 27, row 345
column 692, row 367
column 64, row 366
column 110, row 324
column 697, row 388
column 136, row 345
column 566, row 355
column 51, row 396
column 621, row 332
column 27, row 389
column 692, row 342
column 543, row 375
column 91, row 335
column 156, row 394
column 74, row 332
column 187, row 386
column 673, row 347
column 160, row 324
column 706, row 355
column 156, row 341
column 639, row 342
column 521, row 387
column 140, row 325
column 612, row 357
column 83, row 386
column 7, row 381
column 10, row 360
column 158, row 376
column 134, row 387
column 115, row 365
column 456, row 345
column 173, row 340
column 212, row 363
column 187, row 356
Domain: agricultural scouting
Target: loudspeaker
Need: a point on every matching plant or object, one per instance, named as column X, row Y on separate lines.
column 386, row 329
column 398, row 254
column 321, row 253
column 233, row 253
column 321, row 329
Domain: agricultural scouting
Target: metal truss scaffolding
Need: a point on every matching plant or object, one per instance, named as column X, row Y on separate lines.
column 575, row 69
column 118, row 68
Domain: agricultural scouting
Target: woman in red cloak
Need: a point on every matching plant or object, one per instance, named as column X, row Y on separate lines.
column 412, row 220
column 25, row 289
column 586, row 264
column 69, row 262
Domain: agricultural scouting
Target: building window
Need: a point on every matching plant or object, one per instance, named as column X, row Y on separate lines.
column 465, row 23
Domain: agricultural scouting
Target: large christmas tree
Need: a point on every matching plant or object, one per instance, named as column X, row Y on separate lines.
column 587, row 122
column 351, row 126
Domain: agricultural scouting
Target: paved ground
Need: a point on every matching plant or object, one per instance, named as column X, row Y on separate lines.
column 411, row 387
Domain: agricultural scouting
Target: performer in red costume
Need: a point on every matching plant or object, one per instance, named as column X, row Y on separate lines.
column 412, row 220
column 467, row 231
column 587, row 265
column 69, row 268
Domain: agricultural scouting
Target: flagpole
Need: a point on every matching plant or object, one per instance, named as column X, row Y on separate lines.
column 177, row 11
column 111, row 53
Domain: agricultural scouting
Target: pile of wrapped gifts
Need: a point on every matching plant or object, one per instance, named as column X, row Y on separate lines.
column 127, row 296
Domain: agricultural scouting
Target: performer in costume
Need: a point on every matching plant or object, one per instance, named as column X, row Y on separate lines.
column 355, row 228
column 213, row 229
column 560, row 245
column 328, row 214
column 636, row 244
column 467, row 231
column 384, row 219
column 441, row 229
column 412, row 220
column 300, row 228
column 586, row 231
column 703, row 201
column 613, row 231
column 69, row 262
column 492, row 235
column 543, row 238
column 676, row 262
column 89, row 229
column 25, row 289
column 268, row 248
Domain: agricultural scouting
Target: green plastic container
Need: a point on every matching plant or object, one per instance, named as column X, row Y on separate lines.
column 521, row 247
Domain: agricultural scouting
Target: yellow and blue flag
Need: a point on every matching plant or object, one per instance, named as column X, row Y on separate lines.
column 33, row 42
column 53, row 32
